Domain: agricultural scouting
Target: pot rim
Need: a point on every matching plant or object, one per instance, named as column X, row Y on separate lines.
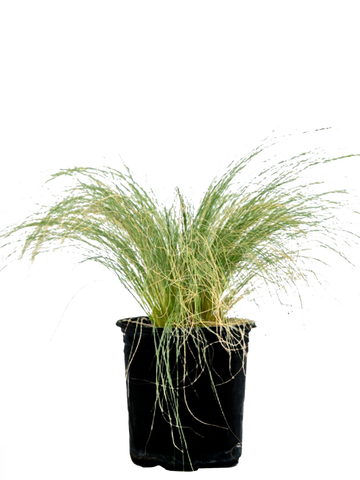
column 144, row 321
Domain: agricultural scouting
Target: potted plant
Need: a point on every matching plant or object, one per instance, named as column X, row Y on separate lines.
column 188, row 268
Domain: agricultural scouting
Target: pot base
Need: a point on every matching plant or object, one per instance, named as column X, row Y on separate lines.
column 154, row 465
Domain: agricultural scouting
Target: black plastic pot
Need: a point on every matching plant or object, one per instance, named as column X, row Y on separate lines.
column 209, row 398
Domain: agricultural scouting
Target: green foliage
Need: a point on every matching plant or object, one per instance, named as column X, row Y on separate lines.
column 256, row 226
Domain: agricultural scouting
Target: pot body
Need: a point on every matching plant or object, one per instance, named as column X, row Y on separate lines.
column 196, row 420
